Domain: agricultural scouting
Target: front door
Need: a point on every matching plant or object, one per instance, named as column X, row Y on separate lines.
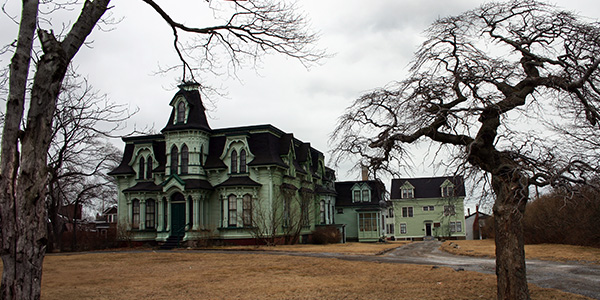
column 427, row 229
column 178, row 219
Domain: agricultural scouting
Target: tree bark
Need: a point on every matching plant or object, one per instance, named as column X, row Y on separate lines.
column 508, row 209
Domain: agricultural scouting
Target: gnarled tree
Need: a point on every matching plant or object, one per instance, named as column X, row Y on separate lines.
column 492, row 85
column 252, row 29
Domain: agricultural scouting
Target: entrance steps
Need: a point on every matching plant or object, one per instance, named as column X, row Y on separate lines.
column 171, row 242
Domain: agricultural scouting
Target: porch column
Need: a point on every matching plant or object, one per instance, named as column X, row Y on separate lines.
column 160, row 216
column 129, row 214
column 142, row 214
column 196, row 211
column 168, row 212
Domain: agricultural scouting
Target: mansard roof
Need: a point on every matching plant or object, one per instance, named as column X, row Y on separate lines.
column 429, row 187
column 144, row 186
column 239, row 181
column 196, row 118
column 344, row 193
column 158, row 149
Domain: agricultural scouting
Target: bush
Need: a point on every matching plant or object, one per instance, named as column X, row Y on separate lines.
column 564, row 218
column 326, row 235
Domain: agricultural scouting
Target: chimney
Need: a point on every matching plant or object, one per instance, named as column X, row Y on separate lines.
column 468, row 211
column 365, row 173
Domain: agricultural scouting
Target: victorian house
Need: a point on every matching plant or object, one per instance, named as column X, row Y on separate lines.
column 237, row 184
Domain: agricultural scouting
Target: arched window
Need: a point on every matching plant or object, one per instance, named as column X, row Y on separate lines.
column 233, row 161
column 185, row 158
column 243, row 161
column 135, row 214
column 141, row 172
column 150, row 214
column 149, row 168
column 174, row 160
column 232, row 211
column 247, row 210
column 180, row 112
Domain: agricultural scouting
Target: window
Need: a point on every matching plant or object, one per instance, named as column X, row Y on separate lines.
column 356, row 196
column 367, row 221
column 390, row 212
column 390, row 228
column 447, row 191
column 243, row 161
column 185, row 159
column 402, row 228
column 174, row 160
column 141, row 171
column 407, row 212
column 365, row 196
column 247, row 210
column 135, row 216
column 180, row 112
column 449, row 210
column 407, row 193
column 150, row 213
column 149, row 168
column 233, row 161
column 165, row 214
column 232, row 208
column 456, row 226
column 322, row 212
column 428, row 208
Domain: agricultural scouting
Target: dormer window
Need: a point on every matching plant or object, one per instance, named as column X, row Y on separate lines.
column 361, row 193
column 407, row 191
column 180, row 112
column 243, row 161
column 141, row 171
column 234, row 168
column 149, row 168
column 447, row 189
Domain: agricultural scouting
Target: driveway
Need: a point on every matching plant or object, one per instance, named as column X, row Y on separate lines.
column 583, row 279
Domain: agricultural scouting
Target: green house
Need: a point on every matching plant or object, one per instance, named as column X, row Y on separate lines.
column 242, row 185
column 428, row 208
column 360, row 206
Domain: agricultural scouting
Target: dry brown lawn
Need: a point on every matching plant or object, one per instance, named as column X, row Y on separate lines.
column 192, row 275
column 347, row 248
column 555, row 252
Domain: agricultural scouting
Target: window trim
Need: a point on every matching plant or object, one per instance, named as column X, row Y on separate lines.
column 174, row 160
column 150, row 214
column 149, row 168
column 181, row 108
column 135, row 214
column 247, row 211
column 408, row 212
column 243, row 167
column 185, row 159
column 403, row 228
column 232, row 211
column 141, row 168
column 233, row 167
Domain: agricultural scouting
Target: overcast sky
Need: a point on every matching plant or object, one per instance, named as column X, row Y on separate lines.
column 372, row 43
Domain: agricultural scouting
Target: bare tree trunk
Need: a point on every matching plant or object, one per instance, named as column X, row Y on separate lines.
column 508, row 209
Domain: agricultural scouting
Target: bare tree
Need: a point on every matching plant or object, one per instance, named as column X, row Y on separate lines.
column 80, row 154
column 489, row 86
column 254, row 28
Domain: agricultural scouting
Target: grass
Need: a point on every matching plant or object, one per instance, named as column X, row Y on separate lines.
column 191, row 275
column 347, row 248
column 554, row 252
column 188, row 275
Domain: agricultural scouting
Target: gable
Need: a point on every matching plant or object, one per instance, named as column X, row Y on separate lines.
column 430, row 187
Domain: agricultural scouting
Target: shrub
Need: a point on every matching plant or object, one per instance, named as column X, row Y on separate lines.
column 326, row 235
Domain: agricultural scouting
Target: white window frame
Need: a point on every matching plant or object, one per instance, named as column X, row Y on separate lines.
column 408, row 212
column 403, row 228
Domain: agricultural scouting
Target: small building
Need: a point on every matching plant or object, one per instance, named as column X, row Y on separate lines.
column 428, row 208
column 360, row 205
column 107, row 221
column 475, row 223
